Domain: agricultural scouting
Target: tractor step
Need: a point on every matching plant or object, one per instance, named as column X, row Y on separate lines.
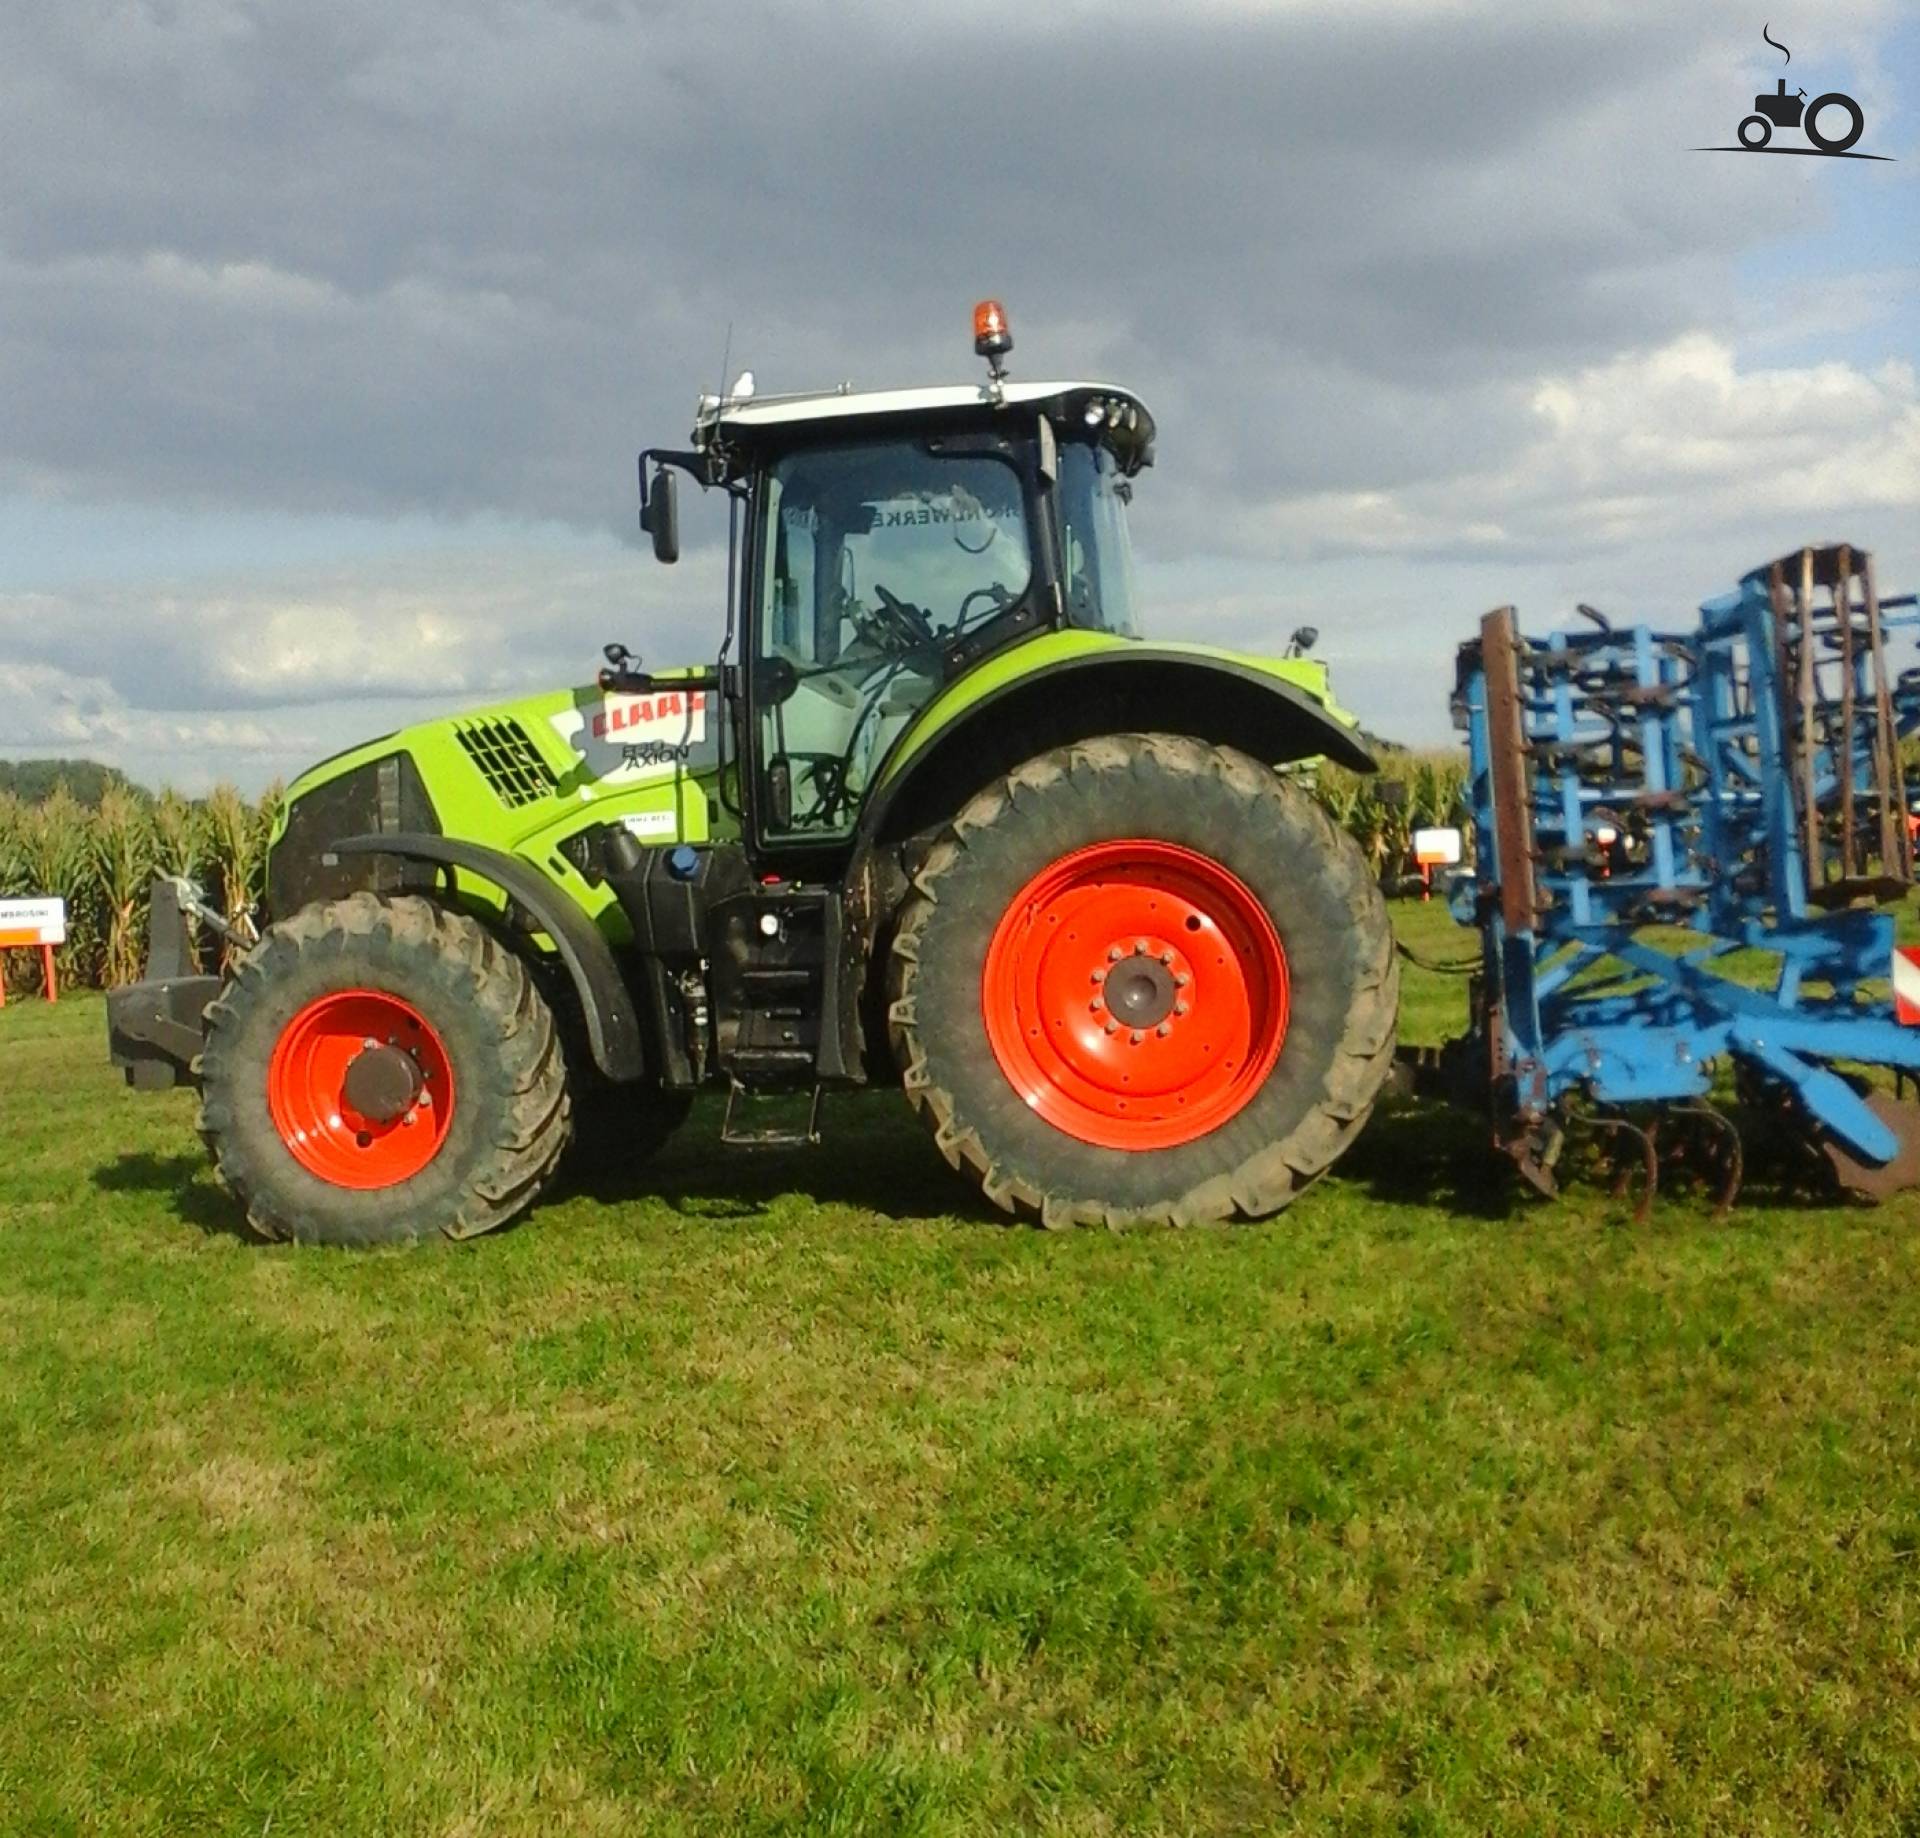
column 774, row 1137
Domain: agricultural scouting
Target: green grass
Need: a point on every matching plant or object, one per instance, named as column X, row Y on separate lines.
column 794, row 1494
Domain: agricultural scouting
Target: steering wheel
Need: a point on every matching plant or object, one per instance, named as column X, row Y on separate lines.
column 907, row 621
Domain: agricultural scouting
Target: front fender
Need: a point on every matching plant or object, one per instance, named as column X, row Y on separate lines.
column 613, row 1026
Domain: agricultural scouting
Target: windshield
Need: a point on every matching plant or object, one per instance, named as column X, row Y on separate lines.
column 1098, row 552
column 875, row 558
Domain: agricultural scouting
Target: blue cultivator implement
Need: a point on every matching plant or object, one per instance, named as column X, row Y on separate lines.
column 1651, row 809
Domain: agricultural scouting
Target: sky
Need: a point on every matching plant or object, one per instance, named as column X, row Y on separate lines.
column 328, row 334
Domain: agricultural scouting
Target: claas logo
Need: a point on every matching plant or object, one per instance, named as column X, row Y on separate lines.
column 672, row 706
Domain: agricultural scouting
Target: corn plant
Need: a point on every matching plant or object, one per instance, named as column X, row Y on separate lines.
column 236, row 841
column 179, row 842
column 121, row 835
column 53, row 855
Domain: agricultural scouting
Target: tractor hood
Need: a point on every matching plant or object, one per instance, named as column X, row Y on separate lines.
column 526, row 776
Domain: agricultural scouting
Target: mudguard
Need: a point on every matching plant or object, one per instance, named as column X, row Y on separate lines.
column 613, row 1026
column 1116, row 688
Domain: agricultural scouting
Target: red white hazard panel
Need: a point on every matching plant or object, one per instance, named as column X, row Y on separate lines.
column 1906, row 985
column 624, row 737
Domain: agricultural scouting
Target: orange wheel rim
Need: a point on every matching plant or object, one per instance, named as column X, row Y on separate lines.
column 360, row 1089
column 1135, row 994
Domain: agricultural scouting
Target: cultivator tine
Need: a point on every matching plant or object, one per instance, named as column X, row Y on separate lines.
column 1623, row 1166
column 1723, row 1153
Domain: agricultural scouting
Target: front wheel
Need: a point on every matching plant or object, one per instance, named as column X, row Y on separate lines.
column 1143, row 977
column 380, row 1071
column 1754, row 132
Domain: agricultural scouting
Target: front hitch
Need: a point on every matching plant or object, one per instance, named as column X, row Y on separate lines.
column 157, row 1026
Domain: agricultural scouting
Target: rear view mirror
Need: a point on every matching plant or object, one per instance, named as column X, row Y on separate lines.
column 660, row 514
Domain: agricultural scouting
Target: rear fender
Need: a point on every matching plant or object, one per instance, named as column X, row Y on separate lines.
column 1123, row 690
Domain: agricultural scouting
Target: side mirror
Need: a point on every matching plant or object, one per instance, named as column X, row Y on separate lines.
column 660, row 514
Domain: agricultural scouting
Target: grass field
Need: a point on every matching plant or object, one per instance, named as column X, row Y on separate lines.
column 793, row 1494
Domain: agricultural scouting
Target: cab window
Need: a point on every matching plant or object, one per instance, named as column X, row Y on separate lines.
column 1097, row 549
column 875, row 558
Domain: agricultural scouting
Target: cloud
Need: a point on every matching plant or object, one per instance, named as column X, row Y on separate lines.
column 1641, row 450
column 368, row 258
column 1411, row 286
column 45, row 710
column 383, row 628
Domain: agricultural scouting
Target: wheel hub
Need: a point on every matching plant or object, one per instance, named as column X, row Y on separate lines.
column 382, row 1083
column 1139, row 991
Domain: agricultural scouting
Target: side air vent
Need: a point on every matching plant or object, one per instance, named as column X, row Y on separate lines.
column 507, row 760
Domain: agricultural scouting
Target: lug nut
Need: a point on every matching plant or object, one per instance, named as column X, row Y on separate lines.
column 1163, row 1030
column 1181, row 980
column 1113, row 956
column 1179, row 1008
column 1093, row 1007
column 1135, row 1038
column 1166, row 957
column 1113, row 1027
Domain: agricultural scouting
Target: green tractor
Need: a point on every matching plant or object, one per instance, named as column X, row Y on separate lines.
column 938, row 816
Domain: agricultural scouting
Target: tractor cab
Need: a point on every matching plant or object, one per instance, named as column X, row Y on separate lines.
column 886, row 542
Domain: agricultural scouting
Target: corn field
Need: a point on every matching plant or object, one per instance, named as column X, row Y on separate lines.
column 1433, row 796
column 103, row 858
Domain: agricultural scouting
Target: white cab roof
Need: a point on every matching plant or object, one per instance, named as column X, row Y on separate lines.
column 846, row 404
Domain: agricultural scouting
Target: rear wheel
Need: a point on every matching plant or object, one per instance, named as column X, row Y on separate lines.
column 380, row 1071
column 1143, row 978
column 1834, row 143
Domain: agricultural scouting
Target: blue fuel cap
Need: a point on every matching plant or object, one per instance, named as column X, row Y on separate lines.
column 683, row 862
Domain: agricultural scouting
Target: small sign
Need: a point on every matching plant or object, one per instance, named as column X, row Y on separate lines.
column 1906, row 985
column 33, row 922
column 1436, row 848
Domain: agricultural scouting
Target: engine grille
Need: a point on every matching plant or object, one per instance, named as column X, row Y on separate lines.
column 507, row 760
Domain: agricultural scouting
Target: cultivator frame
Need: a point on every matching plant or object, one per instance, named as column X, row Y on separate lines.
column 1741, row 782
